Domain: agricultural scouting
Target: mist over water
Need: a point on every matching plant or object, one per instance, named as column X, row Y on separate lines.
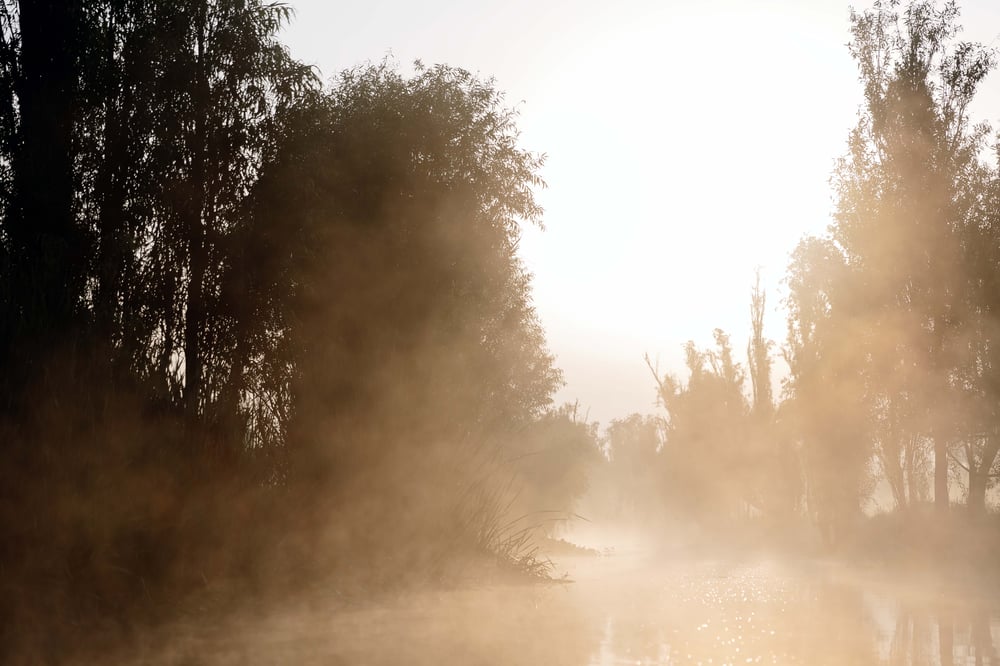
column 627, row 608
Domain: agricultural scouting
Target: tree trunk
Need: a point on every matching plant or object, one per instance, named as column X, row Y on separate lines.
column 941, row 501
column 48, row 250
column 194, row 325
column 976, row 503
column 979, row 476
column 111, row 221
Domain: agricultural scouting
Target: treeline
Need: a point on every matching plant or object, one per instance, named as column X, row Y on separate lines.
column 893, row 337
column 252, row 328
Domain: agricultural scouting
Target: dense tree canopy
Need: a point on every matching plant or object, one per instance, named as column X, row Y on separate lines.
column 277, row 296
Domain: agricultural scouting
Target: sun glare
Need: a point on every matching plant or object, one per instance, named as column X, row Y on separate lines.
column 695, row 148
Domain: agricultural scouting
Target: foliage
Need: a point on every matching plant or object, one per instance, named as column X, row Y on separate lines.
column 276, row 314
column 387, row 218
column 885, row 310
column 822, row 411
column 704, row 438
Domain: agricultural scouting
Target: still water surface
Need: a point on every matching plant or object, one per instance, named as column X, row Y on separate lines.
column 623, row 610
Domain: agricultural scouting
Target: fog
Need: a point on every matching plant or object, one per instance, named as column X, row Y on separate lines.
column 273, row 388
column 627, row 608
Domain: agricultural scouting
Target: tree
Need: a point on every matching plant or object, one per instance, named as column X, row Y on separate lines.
column 976, row 389
column 390, row 211
column 634, row 468
column 899, row 218
column 552, row 457
column 118, row 118
column 773, row 469
column 823, row 410
column 759, row 354
column 229, row 290
column 704, row 451
column 45, row 249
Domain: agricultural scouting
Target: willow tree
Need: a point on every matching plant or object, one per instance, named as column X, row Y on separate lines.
column 389, row 213
column 220, row 73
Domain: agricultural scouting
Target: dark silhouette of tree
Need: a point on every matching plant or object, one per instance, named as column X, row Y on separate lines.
column 974, row 383
column 403, row 227
column 46, row 249
column 240, row 299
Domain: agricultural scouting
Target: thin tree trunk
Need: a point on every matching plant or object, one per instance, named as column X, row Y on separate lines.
column 979, row 476
column 941, row 501
column 111, row 220
column 197, row 251
column 912, row 491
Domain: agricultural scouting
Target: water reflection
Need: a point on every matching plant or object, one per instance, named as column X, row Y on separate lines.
column 968, row 636
column 735, row 614
column 619, row 611
column 717, row 613
column 949, row 633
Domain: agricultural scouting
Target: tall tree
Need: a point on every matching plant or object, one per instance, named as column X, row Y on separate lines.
column 759, row 353
column 46, row 249
column 899, row 216
column 824, row 409
column 233, row 71
column 976, row 398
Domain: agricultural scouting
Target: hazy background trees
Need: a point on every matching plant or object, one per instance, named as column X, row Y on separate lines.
column 891, row 385
column 905, row 249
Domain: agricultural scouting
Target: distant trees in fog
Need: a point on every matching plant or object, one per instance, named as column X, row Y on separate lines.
column 894, row 317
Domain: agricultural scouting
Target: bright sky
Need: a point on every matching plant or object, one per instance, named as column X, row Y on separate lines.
column 687, row 142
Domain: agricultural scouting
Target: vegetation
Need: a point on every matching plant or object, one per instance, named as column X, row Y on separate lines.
column 254, row 332
column 904, row 319
column 892, row 326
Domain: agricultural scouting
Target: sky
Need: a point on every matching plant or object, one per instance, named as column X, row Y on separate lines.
column 687, row 145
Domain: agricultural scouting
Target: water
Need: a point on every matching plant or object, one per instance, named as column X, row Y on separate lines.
column 619, row 610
